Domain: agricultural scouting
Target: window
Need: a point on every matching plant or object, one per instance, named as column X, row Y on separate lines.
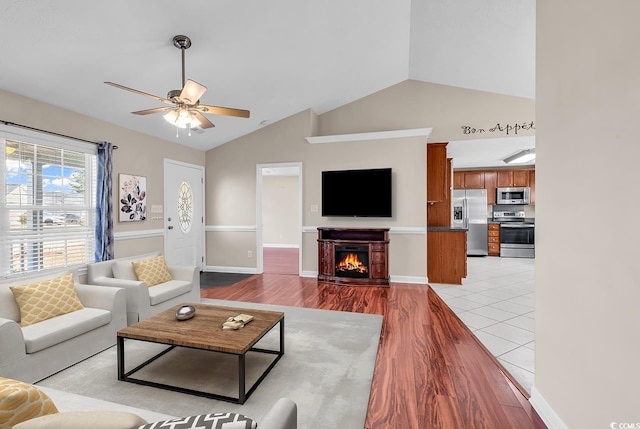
column 185, row 207
column 48, row 193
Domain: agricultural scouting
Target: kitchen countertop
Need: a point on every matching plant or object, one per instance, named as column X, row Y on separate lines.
column 445, row 229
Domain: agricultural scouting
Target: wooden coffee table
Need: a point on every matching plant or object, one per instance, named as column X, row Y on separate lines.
column 204, row 332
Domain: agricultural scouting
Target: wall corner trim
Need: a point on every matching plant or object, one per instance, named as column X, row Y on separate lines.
column 377, row 135
column 544, row 410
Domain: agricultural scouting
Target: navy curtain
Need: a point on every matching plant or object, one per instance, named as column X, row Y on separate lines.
column 104, row 204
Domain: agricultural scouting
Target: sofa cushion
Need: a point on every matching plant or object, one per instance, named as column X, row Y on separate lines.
column 152, row 271
column 58, row 329
column 46, row 299
column 165, row 291
column 85, row 420
column 22, row 401
column 206, row 421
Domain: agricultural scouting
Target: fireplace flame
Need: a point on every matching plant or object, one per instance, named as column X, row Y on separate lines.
column 351, row 263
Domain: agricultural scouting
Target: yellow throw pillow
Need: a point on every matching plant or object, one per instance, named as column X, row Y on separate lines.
column 46, row 299
column 21, row 401
column 152, row 271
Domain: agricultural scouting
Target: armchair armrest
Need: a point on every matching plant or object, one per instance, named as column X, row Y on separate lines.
column 137, row 293
column 12, row 346
column 283, row 415
column 185, row 273
column 103, row 297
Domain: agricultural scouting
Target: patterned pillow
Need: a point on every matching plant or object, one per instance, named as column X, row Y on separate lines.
column 46, row 299
column 206, row 421
column 152, row 271
column 21, row 401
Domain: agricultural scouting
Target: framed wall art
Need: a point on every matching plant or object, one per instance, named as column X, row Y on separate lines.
column 133, row 193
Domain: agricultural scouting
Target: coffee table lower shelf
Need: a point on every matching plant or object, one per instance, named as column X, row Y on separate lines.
column 243, row 392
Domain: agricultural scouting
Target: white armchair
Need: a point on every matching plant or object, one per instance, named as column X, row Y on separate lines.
column 143, row 301
column 36, row 351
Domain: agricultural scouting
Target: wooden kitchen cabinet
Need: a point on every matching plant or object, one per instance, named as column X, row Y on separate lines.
column 458, row 180
column 532, row 185
column 493, row 239
column 474, row 180
column 436, row 172
column 468, row 180
column 513, row 178
column 439, row 213
column 490, row 184
column 446, row 256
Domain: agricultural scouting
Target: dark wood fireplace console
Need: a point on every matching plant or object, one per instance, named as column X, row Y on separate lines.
column 372, row 242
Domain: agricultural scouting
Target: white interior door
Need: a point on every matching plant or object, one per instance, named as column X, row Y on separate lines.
column 184, row 213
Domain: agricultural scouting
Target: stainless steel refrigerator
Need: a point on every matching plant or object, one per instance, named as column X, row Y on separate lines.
column 470, row 212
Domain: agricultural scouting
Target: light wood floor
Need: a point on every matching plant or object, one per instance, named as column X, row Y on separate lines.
column 431, row 372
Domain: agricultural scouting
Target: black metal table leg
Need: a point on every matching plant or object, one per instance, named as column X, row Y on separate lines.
column 242, row 386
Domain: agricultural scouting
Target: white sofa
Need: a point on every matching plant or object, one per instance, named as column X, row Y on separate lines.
column 282, row 415
column 143, row 301
column 35, row 352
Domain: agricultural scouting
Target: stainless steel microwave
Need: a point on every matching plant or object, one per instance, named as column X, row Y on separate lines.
column 513, row 196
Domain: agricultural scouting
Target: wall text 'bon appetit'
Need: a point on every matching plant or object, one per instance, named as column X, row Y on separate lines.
column 507, row 129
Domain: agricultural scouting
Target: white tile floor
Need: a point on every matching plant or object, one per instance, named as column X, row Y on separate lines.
column 497, row 302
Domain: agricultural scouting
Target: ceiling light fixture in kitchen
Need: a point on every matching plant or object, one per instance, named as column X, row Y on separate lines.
column 521, row 157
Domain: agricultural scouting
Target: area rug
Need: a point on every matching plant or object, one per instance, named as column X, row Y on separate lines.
column 214, row 279
column 327, row 370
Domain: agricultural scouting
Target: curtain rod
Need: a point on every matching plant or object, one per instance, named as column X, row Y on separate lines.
column 13, row 124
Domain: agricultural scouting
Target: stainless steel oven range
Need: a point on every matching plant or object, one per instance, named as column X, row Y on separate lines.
column 517, row 236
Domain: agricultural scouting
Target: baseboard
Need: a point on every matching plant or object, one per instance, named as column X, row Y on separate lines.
column 409, row 279
column 238, row 270
column 282, row 246
column 544, row 410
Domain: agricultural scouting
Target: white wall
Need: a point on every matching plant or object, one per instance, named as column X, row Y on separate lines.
column 587, row 277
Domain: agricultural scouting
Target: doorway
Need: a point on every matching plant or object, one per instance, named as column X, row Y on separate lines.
column 279, row 218
column 184, row 213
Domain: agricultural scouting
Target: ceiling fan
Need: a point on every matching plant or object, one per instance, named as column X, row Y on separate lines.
column 185, row 110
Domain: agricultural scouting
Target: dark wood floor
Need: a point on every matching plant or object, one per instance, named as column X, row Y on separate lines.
column 430, row 372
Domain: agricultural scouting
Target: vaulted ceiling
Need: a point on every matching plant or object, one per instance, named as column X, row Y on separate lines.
column 274, row 58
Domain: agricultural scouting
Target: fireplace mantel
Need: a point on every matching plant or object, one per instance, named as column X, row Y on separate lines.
column 374, row 241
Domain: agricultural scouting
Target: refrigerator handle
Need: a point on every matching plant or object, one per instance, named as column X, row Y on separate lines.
column 465, row 210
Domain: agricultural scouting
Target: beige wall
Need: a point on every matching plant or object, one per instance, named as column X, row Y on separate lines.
column 137, row 154
column 231, row 194
column 414, row 104
column 587, row 282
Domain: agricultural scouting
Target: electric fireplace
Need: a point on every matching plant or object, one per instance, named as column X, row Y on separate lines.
column 352, row 261
column 353, row 256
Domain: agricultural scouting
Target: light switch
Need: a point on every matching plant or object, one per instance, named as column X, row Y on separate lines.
column 314, row 208
column 156, row 208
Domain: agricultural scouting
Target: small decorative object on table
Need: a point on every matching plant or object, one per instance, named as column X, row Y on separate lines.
column 185, row 312
column 238, row 321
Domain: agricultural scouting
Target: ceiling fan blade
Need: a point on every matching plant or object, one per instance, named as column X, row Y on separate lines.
column 150, row 111
column 204, row 122
column 192, row 92
column 126, row 88
column 225, row 111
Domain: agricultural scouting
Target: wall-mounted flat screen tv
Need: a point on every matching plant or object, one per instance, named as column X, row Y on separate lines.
column 357, row 193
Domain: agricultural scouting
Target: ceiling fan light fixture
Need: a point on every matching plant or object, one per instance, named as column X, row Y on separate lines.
column 182, row 118
column 521, row 157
